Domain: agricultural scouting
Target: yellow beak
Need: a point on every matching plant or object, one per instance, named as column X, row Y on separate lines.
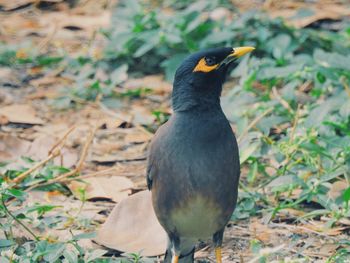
column 236, row 53
column 240, row 51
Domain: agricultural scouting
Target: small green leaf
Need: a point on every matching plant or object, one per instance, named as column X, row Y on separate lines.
column 16, row 193
column 95, row 254
column 48, row 61
column 89, row 235
column 278, row 72
column 247, row 152
column 332, row 59
column 346, row 195
column 70, row 255
column 54, row 252
column 6, row 243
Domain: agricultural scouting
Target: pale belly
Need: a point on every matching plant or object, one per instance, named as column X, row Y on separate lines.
column 198, row 219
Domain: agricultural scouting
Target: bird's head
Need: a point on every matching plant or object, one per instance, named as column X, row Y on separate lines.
column 198, row 80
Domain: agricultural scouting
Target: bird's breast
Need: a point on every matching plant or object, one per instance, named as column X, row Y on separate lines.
column 197, row 217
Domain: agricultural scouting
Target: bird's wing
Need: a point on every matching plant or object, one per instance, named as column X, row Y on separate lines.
column 149, row 174
column 151, row 160
column 155, row 153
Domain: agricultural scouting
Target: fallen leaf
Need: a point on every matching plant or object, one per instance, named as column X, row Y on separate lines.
column 344, row 221
column 8, row 77
column 329, row 248
column 141, row 115
column 40, row 147
column 316, row 13
column 133, row 227
column 261, row 231
column 11, row 147
column 138, row 137
column 112, row 123
column 115, row 188
column 52, row 129
column 20, row 113
column 337, row 189
column 10, row 5
column 132, row 152
column 321, row 228
column 3, row 120
column 154, row 82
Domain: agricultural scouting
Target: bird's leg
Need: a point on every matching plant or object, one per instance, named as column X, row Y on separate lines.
column 175, row 259
column 175, row 243
column 217, row 238
column 218, row 255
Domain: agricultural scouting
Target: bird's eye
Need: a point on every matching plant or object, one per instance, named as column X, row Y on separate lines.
column 206, row 64
column 210, row 61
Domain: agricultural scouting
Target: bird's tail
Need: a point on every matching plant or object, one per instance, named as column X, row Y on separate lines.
column 184, row 258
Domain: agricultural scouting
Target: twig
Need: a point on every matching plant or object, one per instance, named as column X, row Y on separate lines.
column 98, row 173
column 17, row 220
column 296, row 119
column 48, row 38
column 64, row 137
column 253, row 123
column 77, row 168
column 304, row 87
column 284, row 103
column 23, row 175
column 53, row 152
column 86, row 148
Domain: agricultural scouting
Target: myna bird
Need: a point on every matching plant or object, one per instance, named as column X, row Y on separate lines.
column 193, row 165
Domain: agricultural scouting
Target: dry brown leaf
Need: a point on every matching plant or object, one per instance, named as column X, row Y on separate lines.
column 323, row 11
column 11, row 147
column 9, row 5
column 3, row 120
column 40, row 147
column 132, row 226
column 328, row 248
column 337, row 189
column 20, row 113
column 65, row 20
column 154, row 82
column 7, row 76
column 141, row 115
column 115, row 188
column 132, row 152
column 137, row 136
column 112, row 123
column 261, row 231
column 344, row 221
column 52, row 129
column 321, row 228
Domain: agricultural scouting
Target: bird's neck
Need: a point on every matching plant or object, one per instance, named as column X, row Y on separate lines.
column 186, row 98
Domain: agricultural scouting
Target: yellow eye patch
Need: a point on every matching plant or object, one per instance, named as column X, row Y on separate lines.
column 203, row 67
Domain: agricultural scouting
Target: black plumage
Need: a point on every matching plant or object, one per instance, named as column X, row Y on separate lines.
column 193, row 165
